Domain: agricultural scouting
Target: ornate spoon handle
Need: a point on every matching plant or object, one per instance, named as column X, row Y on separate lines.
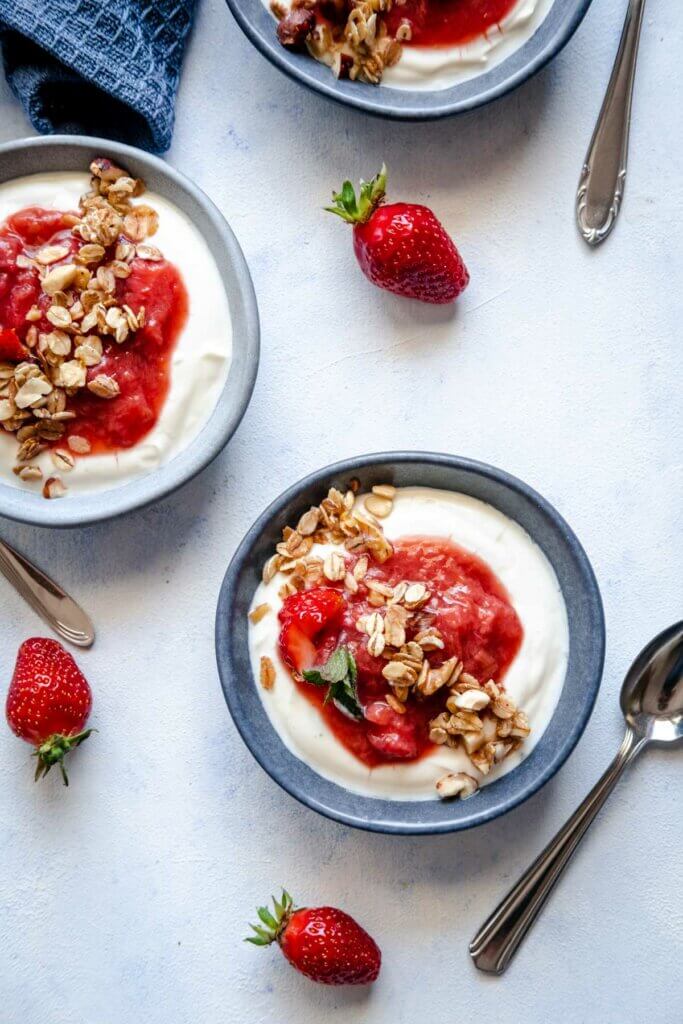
column 603, row 176
column 46, row 598
column 497, row 940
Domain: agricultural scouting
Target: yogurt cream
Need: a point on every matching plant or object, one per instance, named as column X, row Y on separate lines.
column 200, row 361
column 534, row 680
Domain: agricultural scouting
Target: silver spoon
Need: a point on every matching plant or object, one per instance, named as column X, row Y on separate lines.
column 652, row 704
column 46, row 598
column 601, row 186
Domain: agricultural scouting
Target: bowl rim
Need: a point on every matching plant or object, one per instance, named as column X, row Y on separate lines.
column 81, row 510
column 358, row 99
column 224, row 640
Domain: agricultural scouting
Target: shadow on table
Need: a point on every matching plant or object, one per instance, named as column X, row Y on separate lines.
column 454, row 860
column 129, row 545
column 461, row 151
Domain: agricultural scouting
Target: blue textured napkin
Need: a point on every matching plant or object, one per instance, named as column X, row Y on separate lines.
column 97, row 67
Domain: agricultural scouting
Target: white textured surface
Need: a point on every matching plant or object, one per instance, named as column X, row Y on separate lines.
column 124, row 898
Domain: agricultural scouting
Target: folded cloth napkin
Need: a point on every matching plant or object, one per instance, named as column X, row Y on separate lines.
column 97, row 67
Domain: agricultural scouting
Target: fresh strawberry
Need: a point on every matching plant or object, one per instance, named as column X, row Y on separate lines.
column 401, row 247
column 323, row 943
column 304, row 616
column 297, row 650
column 11, row 348
column 48, row 702
column 312, row 610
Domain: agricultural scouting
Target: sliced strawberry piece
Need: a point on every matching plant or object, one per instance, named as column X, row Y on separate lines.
column 297, row 650
column 11, row 348
column 312, row 610
column 304, row 616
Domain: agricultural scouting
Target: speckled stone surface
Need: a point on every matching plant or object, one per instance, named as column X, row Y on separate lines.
column 124, row 898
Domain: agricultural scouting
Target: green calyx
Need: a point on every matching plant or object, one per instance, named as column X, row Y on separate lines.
column 359, row 210
column 272, row 924
column 340, row 675
column 53, row 751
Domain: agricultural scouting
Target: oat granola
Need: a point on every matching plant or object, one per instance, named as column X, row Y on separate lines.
column 352, row 38
column 83, row 314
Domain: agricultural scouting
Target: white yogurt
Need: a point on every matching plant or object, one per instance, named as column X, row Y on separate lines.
column 200, row 362
column 534, row 680
column 428, row 68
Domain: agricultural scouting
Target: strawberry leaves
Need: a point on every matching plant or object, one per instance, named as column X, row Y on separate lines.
column 339, row 674
column 358, row 211
column 272, row 924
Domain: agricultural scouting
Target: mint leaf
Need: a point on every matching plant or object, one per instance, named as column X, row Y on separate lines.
column 339, row 674
column 352, row 667
column 313, row 675
column 346, row 698
column 337, row 668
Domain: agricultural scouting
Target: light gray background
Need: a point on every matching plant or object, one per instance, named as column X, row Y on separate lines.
column 125, row 897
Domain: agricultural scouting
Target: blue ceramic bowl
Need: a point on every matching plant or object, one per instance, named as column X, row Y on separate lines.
column 553, row 33
column 586, row 642
column 74, row 153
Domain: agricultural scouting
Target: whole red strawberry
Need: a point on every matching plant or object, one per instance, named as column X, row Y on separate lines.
column 48, row 702
column 401, row 247
column 323, row 943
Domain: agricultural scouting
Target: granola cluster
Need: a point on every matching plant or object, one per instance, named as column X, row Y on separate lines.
column 352, row 37
column 476, row 716
column 82, row 309
column 337, row 520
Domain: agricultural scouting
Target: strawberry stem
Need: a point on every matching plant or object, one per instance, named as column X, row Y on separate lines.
column 54, row 749
column 272, row 924
column 359, row 210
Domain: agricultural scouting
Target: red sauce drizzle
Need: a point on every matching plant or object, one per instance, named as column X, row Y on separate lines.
column 448, row 22
column 471, row 609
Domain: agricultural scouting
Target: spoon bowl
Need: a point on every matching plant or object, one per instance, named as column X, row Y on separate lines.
column 652, row 694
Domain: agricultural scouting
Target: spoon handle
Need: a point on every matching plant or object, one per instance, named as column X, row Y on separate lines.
column 601, row 186
column 46, row 598
column 496, row 942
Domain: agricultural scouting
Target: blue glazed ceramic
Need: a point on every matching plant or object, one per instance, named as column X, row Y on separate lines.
column 553, row 33
column 74, row 153
column 586, row 636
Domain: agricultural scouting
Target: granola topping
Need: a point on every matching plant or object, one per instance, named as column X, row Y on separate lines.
column 350, row 36
column 64, row 353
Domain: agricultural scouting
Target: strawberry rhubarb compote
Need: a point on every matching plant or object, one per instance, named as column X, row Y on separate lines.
column 409, row 44
column 115, row 332
column 409, row 642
